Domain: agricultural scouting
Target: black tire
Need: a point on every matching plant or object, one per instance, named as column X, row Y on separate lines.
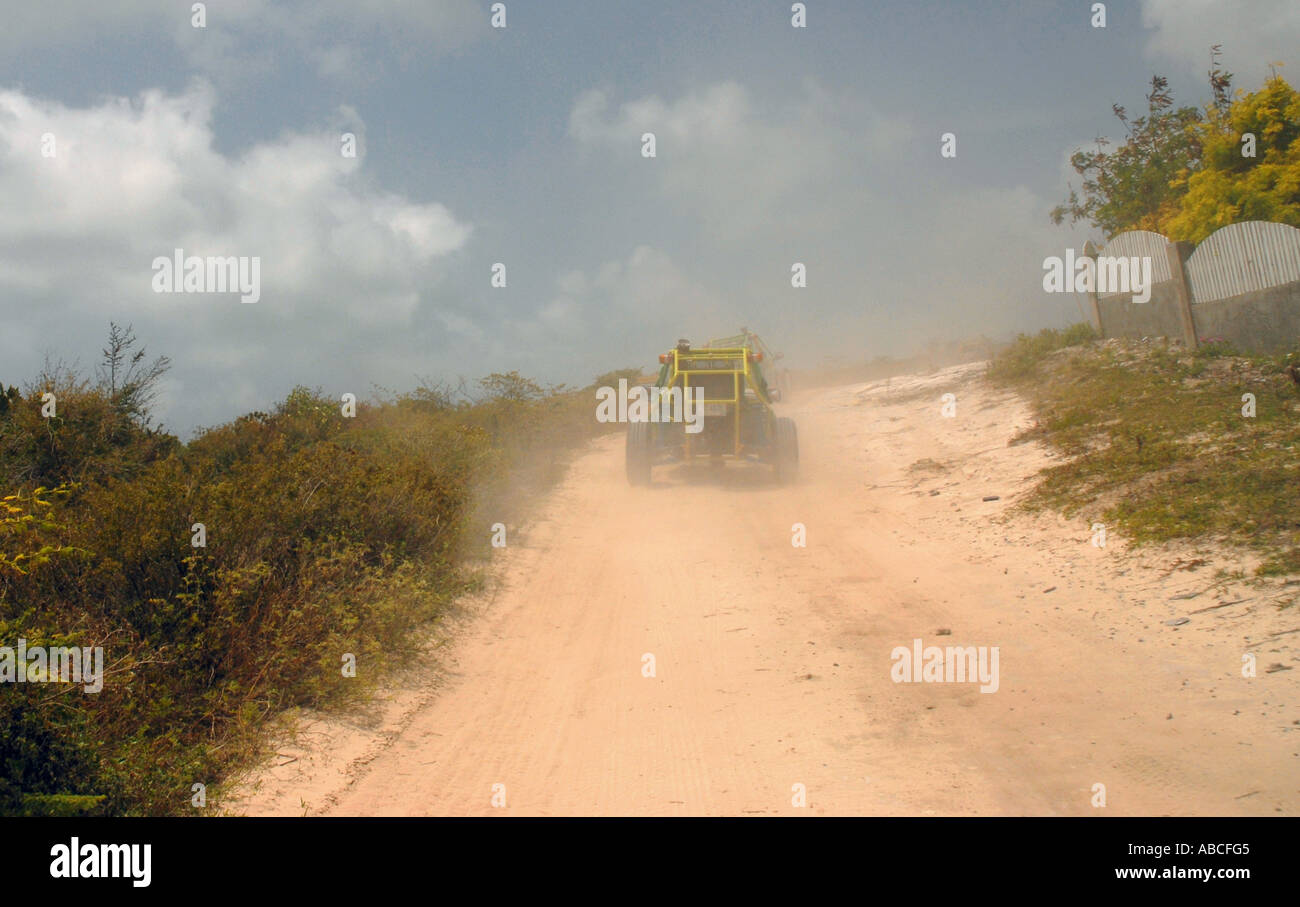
column 638, row 453
column 786, row 443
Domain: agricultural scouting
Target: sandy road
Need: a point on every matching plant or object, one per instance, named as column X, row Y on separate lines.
column 772, row 662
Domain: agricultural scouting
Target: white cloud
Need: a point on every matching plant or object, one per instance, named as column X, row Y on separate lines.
column 134, row 179
column 644, row 287
column 1254, row 33
column 897, row 250
column 618, row 307
column 723, row 162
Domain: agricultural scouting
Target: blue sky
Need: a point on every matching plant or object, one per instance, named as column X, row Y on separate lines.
column 522, row 146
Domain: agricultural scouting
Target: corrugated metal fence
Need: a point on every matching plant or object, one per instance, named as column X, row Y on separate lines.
column 1241, row 258
column 1142, row 244
column 1236, row 259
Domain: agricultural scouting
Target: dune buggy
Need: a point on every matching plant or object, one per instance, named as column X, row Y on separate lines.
column 737, row 421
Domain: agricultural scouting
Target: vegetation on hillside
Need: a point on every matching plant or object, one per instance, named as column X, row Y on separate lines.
column 324, row 536
column 1157, row 441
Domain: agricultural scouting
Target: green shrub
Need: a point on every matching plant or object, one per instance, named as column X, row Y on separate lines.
column 325, row 535
column 1018, row 360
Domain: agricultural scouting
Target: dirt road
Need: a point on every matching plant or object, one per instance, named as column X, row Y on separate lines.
column 772, row 662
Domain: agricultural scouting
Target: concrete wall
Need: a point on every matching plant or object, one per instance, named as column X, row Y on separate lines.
column 1158, row 317
column 1262, row 321
column 1248, row 275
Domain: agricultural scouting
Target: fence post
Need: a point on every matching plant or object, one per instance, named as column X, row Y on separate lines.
column 1178, row 253
column 1090, row 251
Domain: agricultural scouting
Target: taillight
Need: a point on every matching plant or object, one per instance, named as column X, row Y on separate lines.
column 663, row 357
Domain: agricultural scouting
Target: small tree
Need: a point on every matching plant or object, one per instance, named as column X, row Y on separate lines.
column 130, row 383
column 1234, row 186
column 511, row 386
column 1135, row 186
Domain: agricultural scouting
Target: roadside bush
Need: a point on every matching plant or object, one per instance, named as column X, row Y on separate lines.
column 1161, row 443
column 1019, row 359
column 324, row 536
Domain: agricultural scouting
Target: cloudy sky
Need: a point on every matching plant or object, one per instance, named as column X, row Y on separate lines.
column 522, row 145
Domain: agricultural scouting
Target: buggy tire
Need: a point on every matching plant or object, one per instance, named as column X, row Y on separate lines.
column 786, row 443
column 638, row 453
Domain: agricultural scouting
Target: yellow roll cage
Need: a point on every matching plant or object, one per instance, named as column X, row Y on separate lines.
column 739, row 362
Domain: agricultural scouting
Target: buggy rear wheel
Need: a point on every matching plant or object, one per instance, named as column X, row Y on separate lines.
column 786, row 442
column 638, row 453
